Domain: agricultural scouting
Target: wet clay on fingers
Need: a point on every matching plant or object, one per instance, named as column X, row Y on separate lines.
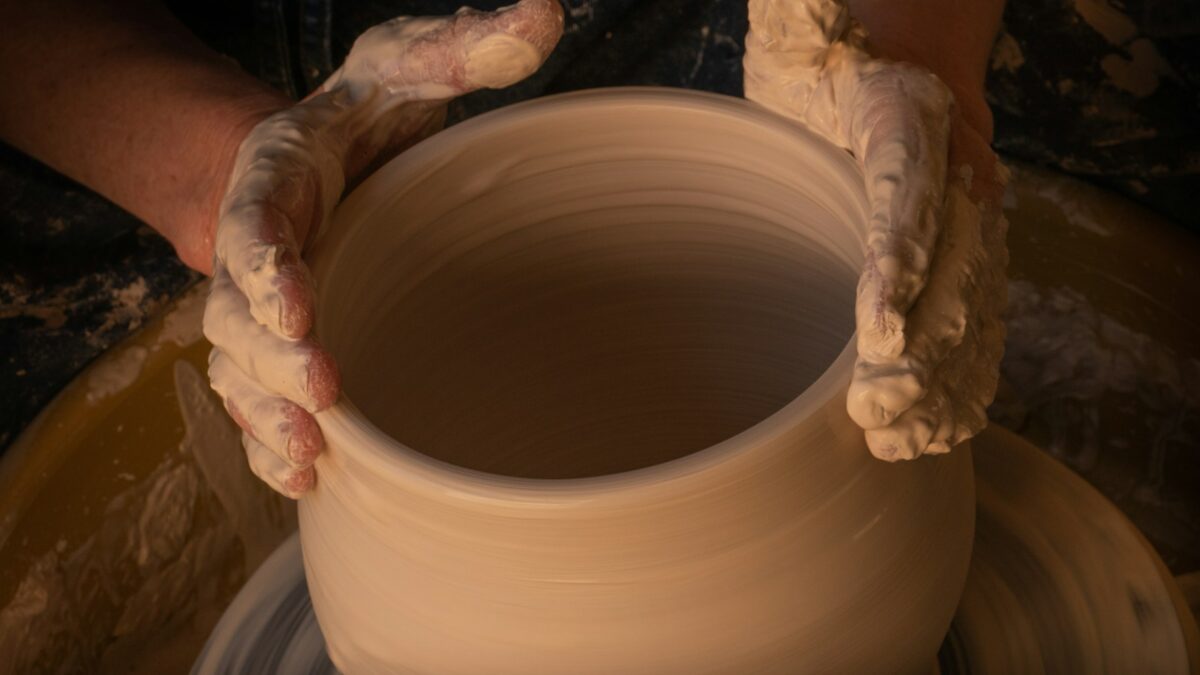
column 594, row 414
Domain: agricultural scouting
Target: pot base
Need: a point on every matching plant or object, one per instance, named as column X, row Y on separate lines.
column 1059, row 578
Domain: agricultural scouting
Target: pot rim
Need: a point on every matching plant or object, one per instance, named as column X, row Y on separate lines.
column 349, row 431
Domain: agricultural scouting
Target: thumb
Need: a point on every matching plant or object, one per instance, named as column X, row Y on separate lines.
column 435, row 58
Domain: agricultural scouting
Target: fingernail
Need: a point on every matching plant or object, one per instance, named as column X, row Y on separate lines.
column 299, row 482
column 500, row 60
column 324, row 381
column 937, row 448
column 302, row 453
column 304, row 439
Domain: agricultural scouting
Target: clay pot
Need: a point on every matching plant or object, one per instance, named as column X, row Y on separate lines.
column 596, row 350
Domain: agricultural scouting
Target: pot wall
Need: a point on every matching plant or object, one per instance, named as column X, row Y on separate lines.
column 606, row 368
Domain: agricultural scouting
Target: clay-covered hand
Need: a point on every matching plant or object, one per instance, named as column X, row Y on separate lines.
column 932, row 289
column 289, row 173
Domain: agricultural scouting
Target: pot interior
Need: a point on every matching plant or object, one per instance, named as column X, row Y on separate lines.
column 560, row 301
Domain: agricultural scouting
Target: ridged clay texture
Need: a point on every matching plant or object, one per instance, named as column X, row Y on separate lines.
column 595, row 350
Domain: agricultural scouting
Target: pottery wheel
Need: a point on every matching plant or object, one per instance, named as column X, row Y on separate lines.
column 1060, row 581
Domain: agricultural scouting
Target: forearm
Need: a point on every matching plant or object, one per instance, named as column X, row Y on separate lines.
column 121, row 97
column 952, row 38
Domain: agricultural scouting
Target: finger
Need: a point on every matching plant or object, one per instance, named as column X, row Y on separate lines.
column 284, row 427
column 786, row 64
column 255, row 245
column 899, row 132
column 939, row 420
column 811, row 66
column 294, row 166
column 432, row 58
column 504, row 47
column 954, row 409
column 927, row 426
column 790, row 27
column 298, row 370
column 882, row 390
column 966, row 287
column 962, row 386
column 285, row 479
column 284, row 183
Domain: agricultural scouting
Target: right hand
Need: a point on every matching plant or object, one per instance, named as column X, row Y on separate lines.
column 289, row 173
column 932, row 288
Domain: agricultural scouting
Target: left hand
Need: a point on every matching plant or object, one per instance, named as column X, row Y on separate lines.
column 289, row 173
column 932, row 289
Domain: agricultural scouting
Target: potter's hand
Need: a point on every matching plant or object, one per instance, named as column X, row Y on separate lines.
column 932, row 287
column 291, row 170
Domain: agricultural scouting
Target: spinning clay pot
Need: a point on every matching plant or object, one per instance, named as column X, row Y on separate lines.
column 595, row 352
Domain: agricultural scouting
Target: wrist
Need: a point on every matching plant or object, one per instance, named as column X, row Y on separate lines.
column 192, row 228
column 951, row 39
column 133, row 106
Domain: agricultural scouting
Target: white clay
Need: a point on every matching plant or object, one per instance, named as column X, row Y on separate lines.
column 928, row 356
column 932, row 289
column 293, row 166
column 499, row 60
column 279, row 364
column 593, row 416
